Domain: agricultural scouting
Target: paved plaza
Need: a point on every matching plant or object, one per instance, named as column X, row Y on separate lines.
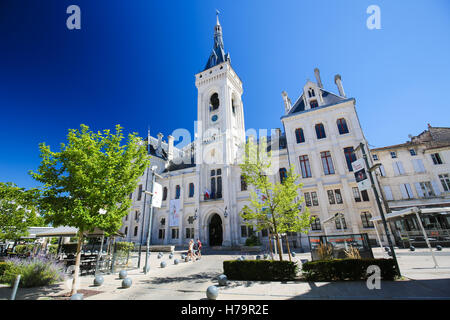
column 189, row 281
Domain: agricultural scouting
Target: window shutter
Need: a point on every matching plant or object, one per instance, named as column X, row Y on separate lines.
column 419, row 189
column 400, row 167
column 404, row 192
column 396, row 172
column 409, row 189
column 418, row 165
column 436, row 188
column 421, row 166
column 388, row 192
column 383, row 172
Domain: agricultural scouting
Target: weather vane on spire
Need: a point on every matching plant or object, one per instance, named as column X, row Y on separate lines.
column 217, row 14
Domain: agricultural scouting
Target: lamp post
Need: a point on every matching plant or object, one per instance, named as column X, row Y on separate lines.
column 386, row 229
column 149, row 223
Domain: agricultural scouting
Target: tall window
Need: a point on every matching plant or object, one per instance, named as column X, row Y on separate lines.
column 426, row 189
column 315, row 200
column 216, row 184
column 337, row 192
column 175, row 233
column 398, row 168
column 315, row 225
column 191, row 190
column 214, row 102
column 349, row 157
column 189, row 233
column 338, row 223
column 283, row 174
column 313, row 104
column 393, row 154
column 327, row 163
column 139, row 193
column 304, row 165
column 436, row 158
column 334, row 197
column 342, row 126
column 356, row 194
column 406, row 190
column 365, row 195
column 126, row 230
column 136, row 215
column 308, row 199
column 320, row 131
column 243, row 184
column 165, row 194
column 177, row 192
column 161, row 233
column 445, row 182
column 299, row 135
column 135, row 231
column 365, row 218
column 331, row 197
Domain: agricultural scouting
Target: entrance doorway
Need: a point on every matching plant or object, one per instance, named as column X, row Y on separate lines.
column 215, row 231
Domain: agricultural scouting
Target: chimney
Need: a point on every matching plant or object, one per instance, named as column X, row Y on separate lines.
column 159, row 147
column 338, row 81
column 170, row 149
column 317, row 73
column 287, row 102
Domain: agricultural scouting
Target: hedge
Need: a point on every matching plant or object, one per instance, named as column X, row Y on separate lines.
column 3, row 266
column 260, row 270
column 347, row 269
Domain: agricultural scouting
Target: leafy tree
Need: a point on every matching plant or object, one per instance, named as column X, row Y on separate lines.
column 273, row 206
column 87, row 183
column 17, row 211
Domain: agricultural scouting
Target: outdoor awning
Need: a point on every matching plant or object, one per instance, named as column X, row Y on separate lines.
column 412, row 210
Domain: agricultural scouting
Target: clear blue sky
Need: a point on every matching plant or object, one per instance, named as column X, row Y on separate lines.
column 133, row 63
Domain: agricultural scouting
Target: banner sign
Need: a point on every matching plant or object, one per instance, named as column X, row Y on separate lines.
column 360, row 170
column 174, row 212
column 157, row 195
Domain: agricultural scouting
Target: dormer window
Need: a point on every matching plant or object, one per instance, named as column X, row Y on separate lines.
column 313, row 104
column 214, row 102
column 311, row 93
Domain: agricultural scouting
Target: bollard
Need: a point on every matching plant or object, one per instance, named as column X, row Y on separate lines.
column 186, row 259
column 242, row 257
column 77, row 296
column 170, row 256
column 163, row 264
column 223, row 280
column 126, row 283
column 293, row 254
column 258, row 257
column 212, row 292
column 412, row 248
column 123, row 274
column 438, row 247
column 98, row 281
column 266, row 256
column 16, row 285
column 176, row 261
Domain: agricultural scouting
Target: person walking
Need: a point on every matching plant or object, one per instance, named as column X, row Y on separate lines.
column 191, row 250
column 199, row 248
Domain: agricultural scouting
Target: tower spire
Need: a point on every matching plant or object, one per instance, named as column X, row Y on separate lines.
column 217, row 55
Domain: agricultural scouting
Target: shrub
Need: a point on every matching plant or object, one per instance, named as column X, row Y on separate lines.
column 34, row 272
column 352, row 253
column 3, row 266
column 124, row 246
column 252, row 241
column 325, row 251
column 346, row 269
column 260, row 270
column 23, row 248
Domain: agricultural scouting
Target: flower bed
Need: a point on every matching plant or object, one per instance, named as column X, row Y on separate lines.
column 260, row 270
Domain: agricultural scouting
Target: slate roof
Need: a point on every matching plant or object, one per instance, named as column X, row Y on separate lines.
column 218, row 54
column 329, row 99
column 174, row 167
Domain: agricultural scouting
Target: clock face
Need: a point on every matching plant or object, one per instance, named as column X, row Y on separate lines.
column 214, row 118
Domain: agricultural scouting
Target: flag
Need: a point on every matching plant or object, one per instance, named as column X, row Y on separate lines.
column 207, row 195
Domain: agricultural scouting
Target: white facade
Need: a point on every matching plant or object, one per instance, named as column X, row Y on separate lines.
column 211, row 163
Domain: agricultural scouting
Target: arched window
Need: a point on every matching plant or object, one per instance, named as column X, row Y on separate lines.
column 233, row 106
column 299, row 135
column 349, row 157
column 135, row 231
column 126, row 230
column 283, row 174
column 320, row 131
column 165, row 194
column 342, row 126
column 191, row 190
column 214, row 102
column 177, row 192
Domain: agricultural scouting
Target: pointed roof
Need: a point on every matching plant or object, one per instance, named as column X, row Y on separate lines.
column 218, row 54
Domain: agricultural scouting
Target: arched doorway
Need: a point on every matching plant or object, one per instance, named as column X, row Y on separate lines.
column 215, row 231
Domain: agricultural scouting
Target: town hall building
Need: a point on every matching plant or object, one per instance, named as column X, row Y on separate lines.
column 203, row 191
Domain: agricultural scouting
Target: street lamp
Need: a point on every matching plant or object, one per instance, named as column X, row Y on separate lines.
column 226, row 212
column 386, row 229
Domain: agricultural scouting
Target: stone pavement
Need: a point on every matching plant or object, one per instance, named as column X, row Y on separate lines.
column 189, row 281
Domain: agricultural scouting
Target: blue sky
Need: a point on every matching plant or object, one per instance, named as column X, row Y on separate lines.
column 133, row 63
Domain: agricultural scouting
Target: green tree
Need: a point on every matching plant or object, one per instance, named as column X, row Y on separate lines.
column 273, row 206
column 17, row 211
column 87, row 183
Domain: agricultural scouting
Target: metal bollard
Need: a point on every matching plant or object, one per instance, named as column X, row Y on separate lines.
column 16, row 284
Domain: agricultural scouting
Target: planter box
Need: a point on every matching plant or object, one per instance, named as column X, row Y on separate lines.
column 163, row 248
column 251, row 249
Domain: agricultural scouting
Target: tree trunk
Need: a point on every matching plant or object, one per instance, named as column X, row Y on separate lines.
column 288, row 250
column 280, row 253
column 270, row 245
column 77, row 264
